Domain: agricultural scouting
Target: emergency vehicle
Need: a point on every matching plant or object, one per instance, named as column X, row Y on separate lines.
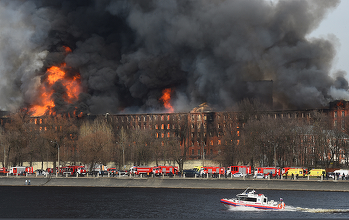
column 300, row 172
column 73, row 170
column 165, row 170
column 197, row 168
column 20, row 170
column 3, row 170
column 317, row 172
column 212, row 170
column 340, row 173
column 141, row 170
column 267, row 171
column 236, row 169
column 51, row 170
column 112, row 171
column 285, row 169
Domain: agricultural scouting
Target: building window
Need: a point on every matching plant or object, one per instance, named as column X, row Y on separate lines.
column 343, row 114
column 335, row 114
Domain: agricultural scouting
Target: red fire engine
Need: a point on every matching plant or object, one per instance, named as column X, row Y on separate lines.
column 267, row 171
column 166, row 170
column 242, row 169
column 21, row 170
column 73, row 170
column 212, row 170
column 141, row 170
column 3, row 171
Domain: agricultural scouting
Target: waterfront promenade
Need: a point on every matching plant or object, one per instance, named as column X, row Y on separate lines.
column 179, row 182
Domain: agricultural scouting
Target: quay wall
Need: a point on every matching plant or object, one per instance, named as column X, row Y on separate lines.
column 178, row 182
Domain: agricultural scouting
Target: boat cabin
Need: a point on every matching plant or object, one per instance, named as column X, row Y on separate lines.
column 252, row 197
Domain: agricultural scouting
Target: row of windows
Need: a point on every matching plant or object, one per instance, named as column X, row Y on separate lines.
column 204, row 143
column 192, row 152
column 335, row 114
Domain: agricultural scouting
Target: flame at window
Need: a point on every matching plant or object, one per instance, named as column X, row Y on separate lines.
column 45, row 103
column 166, row 98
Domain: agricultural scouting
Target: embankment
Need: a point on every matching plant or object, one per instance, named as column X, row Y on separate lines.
column 198, row 183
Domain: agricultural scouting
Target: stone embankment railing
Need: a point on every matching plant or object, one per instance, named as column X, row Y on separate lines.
column 312, row 184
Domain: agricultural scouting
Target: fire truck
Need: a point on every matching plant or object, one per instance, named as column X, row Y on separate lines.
column 242, row 169
column 3, row 171
column 20, row 170
column 141, row 170
column 212, row 171
column 165, row 170
column 273, row 171
column 73, row 170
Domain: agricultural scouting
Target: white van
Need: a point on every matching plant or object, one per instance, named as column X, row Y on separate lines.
column 341, row 172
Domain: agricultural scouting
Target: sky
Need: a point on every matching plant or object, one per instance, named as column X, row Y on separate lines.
column 336, row 24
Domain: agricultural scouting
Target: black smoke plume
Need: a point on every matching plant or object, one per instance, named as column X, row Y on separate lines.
column 127, row 52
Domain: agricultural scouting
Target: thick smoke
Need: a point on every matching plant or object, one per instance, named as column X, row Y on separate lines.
column 127, row 52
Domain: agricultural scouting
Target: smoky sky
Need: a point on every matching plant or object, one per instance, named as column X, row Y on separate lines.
column 128, row 52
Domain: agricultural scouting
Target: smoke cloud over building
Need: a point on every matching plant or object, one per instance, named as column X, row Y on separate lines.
column 126, row 53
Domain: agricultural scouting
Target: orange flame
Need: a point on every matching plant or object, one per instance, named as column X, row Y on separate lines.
column 166, row 98
column 45, row 103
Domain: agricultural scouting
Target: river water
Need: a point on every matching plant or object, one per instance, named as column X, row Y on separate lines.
column 155, row 203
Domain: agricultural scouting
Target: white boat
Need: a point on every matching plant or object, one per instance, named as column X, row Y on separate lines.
column 251, row 199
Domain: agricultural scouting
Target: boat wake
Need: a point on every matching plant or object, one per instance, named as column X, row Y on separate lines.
column 320, row 210
column 291, row 209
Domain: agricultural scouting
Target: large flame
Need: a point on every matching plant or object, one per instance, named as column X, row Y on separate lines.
column 45, row 102
column 166, row 98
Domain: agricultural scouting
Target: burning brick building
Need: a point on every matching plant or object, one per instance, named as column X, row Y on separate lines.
column 206, row 129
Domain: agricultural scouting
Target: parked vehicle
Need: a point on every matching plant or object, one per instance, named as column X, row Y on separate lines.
column 197, row 168
column 141, row 171
column 190, row 173
column 4, row 171
column 317, row 173
column 165, row 170
column 272, row 171
column 286, row 169
column 40, row 172
column 239, row 169
column 239, row 174
column 214, row 171
column 300, row 172
column 112, row 171
column 259, row 176
column 21, row 170
column 73, row 170
column 123, row 173
column 339, row 173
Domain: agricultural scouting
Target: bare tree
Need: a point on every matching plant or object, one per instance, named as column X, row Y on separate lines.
column 59, row 132
column 96, row 141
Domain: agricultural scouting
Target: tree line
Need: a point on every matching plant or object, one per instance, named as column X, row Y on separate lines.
column 256, row 140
